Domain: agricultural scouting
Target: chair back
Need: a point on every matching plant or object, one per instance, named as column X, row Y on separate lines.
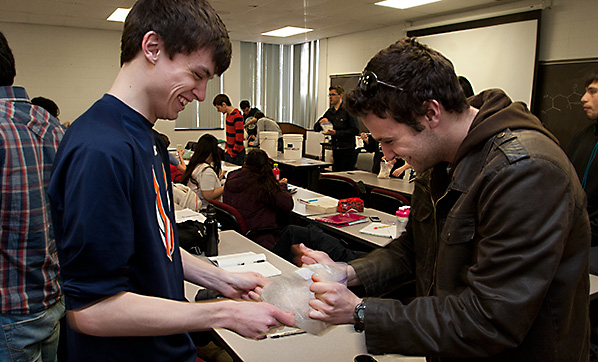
column 229, row 217
column 339, row 187
column 387, row 201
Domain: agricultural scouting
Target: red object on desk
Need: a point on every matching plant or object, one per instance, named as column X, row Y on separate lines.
column 343, row 219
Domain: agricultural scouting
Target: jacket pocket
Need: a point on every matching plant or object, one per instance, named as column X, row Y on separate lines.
column 458, row 229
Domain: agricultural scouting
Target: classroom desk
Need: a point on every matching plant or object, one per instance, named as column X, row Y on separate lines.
column 303, row 172
column 372, row 181
column 348, row 233
column 340, row 343
column 351, row 233
column 593, row 286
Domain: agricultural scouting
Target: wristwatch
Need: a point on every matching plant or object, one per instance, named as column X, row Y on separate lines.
column 358, row 316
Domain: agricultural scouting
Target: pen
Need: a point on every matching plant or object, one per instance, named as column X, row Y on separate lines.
column 308, row 201
column 357, row 221
column 381, row 227
column 285, row 334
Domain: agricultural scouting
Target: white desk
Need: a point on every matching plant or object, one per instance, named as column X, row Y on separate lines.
column 372, row 180
column 351, row 231
column 305, row 194
column 340, row 343
column 304, row 172
column 593, row 286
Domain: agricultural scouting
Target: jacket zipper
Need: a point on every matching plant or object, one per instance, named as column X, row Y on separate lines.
column 435, row 204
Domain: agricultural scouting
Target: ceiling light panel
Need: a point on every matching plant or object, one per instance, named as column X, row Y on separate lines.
column 287, row 31
column 404, row 4
column 120, row 14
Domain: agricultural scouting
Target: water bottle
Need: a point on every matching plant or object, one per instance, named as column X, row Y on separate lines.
column 276, row 172
column 211, row 232
column 402, row 218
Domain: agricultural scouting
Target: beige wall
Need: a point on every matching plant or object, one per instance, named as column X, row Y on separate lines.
column 567, row 32
column 74, row 67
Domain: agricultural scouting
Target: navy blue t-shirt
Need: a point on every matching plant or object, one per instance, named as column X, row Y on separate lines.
column 113, row 216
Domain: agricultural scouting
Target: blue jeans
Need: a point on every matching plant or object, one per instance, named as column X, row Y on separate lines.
column 32, row 337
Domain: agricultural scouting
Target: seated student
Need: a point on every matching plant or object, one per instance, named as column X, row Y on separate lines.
column 204, row 172
column 257, row 195
column 371, row 145
column 177, row 164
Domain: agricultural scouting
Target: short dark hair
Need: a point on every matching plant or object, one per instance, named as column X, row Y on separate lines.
column 244, row 104
column 8, row 72
column 422, row 73
column 184, row 25
column 591, row 79
column 221, row 98
column 466, row 86
column 165, row 139
column 338, row 88
column 47, row 104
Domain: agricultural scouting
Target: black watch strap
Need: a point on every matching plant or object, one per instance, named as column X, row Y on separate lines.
column 359, row 317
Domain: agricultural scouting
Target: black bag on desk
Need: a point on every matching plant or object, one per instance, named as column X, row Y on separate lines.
column 192, row 236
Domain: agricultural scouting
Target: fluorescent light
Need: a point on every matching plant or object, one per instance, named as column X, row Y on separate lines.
column 120, row 14
column 287, row 31
column 404, row 4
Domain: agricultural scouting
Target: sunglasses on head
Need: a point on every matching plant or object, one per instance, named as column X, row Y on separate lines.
column 369, row 82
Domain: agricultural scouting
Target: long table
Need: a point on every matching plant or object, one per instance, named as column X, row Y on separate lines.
column 304, row 172
column 350, row 233
column 340, row 343
column 371, row 179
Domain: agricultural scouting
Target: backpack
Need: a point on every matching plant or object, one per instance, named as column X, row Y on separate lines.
column 185, row 197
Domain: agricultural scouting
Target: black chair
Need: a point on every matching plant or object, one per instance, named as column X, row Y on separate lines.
column 190, row 145
column 230, row 218
column 339, row 187
column 387, row 201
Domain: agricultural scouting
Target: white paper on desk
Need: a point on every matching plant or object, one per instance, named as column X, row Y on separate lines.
column 380, row 229
column 246, row 262
column 188, row 214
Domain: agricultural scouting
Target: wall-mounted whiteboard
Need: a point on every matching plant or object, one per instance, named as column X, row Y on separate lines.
column 492, row 53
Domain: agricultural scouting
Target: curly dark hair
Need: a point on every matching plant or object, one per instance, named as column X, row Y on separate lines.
column 184, row 25
column 422, row 74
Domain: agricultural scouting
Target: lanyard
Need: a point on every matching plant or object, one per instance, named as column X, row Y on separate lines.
column 585, row 175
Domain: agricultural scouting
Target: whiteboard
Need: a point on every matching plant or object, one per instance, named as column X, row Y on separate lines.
column 496, row 56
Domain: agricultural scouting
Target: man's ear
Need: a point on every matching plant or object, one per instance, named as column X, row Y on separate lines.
column 151, row 45
column 433, row 114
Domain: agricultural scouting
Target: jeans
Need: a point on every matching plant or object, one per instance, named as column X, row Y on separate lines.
column 32, row 337
column 239, row 160
column 315, row 238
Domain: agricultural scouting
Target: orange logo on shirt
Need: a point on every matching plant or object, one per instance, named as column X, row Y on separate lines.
column 163, row 221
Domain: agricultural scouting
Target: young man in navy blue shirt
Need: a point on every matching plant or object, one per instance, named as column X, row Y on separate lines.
column 112, row 203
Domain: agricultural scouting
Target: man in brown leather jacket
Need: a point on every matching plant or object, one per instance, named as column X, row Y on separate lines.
column 498, row 236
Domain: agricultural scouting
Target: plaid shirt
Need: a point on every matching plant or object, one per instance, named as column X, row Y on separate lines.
column 29, row 138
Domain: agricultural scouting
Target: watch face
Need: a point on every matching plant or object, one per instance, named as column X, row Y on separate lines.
column 360, row 313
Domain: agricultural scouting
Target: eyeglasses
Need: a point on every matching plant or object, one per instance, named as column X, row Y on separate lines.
column 368, row 83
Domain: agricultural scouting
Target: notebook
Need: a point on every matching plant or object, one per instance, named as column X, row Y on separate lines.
column 343, row 219
column 246, row 262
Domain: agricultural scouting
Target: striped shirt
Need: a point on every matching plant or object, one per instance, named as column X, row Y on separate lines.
column 235, row 134
column 29, row 138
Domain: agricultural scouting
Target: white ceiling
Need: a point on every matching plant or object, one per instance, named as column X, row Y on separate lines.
column 247, row 19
